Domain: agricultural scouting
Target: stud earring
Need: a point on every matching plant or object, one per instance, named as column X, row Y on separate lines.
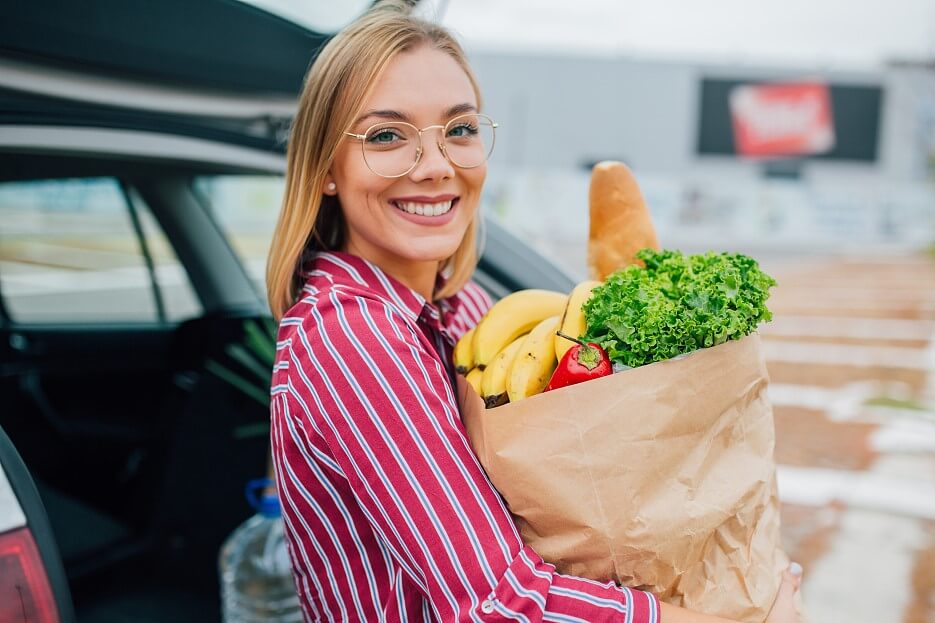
column 332, row 187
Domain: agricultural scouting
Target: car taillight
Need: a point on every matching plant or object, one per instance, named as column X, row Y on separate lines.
column 25, row 593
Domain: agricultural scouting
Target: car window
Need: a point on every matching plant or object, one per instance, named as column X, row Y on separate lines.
column 246, row 208
column 70, row 252
column 178, row 297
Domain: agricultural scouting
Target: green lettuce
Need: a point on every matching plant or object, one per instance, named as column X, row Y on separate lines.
column 677, row 304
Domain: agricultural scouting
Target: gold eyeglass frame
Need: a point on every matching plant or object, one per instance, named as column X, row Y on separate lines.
column 419, row 150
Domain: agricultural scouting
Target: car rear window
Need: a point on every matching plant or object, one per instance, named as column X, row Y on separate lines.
column 246, row 208
column 83, row 250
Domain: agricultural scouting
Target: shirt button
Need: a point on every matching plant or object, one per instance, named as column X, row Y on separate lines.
column 487, row 606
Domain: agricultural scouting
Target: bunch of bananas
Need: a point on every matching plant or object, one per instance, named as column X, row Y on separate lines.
column 513, row 351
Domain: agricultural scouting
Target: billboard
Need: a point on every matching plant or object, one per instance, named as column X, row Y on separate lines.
column 789, row 119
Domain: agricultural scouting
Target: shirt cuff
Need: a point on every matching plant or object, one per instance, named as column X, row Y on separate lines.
column 531, row 590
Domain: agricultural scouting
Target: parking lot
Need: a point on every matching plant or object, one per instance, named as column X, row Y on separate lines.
column 850, row 355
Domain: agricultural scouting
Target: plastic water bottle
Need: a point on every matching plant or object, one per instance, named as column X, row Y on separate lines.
column 256, row 574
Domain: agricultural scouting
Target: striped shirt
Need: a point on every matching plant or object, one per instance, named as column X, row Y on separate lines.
column 388, row 514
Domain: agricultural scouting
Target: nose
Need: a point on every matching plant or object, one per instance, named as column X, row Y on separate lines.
column 433, row 161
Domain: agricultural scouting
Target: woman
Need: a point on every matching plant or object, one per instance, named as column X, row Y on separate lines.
column 388, row 514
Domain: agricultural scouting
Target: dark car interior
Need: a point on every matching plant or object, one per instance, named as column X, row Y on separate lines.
column 138, row 452
column 138, row 449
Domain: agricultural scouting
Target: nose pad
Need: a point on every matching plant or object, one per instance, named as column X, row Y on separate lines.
column 423, row 151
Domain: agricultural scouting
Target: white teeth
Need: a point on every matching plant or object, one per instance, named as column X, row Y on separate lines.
column 424, row 209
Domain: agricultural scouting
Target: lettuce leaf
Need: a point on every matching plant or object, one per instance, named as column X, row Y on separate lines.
column 677, row 304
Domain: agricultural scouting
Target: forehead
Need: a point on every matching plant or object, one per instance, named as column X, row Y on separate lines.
column 421, row 83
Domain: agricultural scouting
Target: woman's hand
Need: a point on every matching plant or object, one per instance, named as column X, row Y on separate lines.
column 784, row 609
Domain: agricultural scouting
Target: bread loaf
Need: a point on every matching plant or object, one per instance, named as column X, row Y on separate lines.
column 620, row 221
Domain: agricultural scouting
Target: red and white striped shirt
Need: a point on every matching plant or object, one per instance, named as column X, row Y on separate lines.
column 388, row 514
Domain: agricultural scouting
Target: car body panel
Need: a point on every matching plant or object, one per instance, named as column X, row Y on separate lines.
column 11, row 513
column 199, row 44
column 15, row 478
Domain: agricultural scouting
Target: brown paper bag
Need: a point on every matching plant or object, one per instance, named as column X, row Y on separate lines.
column 661, row 477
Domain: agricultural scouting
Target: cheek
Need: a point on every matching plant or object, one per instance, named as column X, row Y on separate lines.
column 473, row 184
column 477, row 176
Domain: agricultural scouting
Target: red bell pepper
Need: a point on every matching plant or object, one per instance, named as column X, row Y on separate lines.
column 581, row 362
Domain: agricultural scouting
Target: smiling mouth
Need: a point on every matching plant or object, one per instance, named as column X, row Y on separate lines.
column 424, row 209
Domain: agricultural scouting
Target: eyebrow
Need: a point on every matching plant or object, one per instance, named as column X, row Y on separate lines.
column 395, row 115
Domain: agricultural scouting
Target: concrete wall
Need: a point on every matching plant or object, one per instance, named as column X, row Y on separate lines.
column 557, row 114
column 567, row 111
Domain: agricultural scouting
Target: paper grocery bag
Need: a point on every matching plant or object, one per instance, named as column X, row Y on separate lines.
column 661, row 477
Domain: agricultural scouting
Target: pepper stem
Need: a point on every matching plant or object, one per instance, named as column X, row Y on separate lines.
column 573, row 339
column 587, row 355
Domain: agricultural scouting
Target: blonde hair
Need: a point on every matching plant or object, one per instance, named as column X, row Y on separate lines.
column 335, row 90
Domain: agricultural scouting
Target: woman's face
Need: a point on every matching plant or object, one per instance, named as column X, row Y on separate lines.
column 423, row 87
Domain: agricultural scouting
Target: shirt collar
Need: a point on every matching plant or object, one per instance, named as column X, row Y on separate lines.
column 348, row 269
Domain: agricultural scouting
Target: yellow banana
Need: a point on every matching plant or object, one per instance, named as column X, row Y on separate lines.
column 512, row 316
column 493, row 383
column 474, row 379
column 573, row 321
column 464, row 353
column 535, row 362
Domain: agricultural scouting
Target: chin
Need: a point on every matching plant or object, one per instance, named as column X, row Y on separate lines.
column 433, row 247
column 431, row 252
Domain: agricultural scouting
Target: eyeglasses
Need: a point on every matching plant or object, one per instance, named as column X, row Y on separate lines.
column 393, row 149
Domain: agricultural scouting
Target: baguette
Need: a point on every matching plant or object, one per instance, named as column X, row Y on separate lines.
column 620, row 221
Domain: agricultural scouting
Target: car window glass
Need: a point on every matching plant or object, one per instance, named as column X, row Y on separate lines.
column 246, row 208
column 69, row 253
column 179, row 299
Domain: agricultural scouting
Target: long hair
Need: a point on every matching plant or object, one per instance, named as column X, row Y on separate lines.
column 335, row 90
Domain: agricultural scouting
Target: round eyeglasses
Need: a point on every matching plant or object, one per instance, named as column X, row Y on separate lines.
column 393, row 148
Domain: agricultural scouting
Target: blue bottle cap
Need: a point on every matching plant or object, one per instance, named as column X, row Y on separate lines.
column 268, row 503
column 269, row 506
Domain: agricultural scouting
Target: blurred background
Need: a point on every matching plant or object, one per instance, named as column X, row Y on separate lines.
column 800, row 132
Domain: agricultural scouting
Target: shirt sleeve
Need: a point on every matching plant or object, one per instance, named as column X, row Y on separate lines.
column 391, row 421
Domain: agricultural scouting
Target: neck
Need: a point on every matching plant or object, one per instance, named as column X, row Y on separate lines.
column 418, row 275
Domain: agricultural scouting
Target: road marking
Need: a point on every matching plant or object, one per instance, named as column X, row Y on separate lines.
column 824, row 293
column 859, row 328
column 878, row 537
column 848, row 402
column 812, row 353
column 866, row 574
column 903, row 494
column 904, row 437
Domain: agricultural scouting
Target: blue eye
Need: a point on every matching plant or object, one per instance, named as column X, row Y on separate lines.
column 384, row 136
column 463, row 130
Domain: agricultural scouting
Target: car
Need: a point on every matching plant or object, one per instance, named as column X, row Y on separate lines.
column 139, row 183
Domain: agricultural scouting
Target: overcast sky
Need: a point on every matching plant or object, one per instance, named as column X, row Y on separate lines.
column 818, row 33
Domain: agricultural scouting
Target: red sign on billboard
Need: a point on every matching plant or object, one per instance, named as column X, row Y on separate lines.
column 789, row 119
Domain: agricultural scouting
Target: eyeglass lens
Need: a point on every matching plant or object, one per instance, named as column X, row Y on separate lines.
column 391, row 148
